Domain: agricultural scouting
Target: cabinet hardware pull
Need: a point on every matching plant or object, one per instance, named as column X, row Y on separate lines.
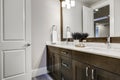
column 87, row 71
column 65, row 65
column 92, row 74
column 63, row 52
column 63, row 78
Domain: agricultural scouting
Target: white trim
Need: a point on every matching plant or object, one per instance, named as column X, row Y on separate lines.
column 40, row 71
column 112, row 18
column 100, row 4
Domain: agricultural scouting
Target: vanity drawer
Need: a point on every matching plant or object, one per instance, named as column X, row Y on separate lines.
column 66, row 52
column 66, row 63
column 54, row 49
column 66, row 68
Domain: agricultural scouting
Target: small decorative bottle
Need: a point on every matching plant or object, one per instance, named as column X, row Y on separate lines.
column 54, row 35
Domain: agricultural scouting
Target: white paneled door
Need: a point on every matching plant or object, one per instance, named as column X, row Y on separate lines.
column 15, row 40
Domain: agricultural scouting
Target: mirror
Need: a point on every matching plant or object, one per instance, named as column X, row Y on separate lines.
column 95, row 17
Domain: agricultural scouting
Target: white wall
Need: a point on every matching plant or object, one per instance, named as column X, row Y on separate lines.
column 45, row 13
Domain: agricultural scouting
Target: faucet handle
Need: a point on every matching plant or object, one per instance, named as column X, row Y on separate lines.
column 108, row 39
column 108, row 42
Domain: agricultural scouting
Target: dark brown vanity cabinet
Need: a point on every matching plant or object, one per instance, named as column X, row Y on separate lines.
column 56, row 66
column 59, row 63
column 82, row 71
column 95, row 67
column 53, row 62
column 100, row 74
column 66, row 64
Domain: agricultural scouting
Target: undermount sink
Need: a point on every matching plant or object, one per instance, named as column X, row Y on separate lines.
column 103, row 49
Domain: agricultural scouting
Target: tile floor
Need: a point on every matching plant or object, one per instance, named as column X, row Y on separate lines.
column 43, row 77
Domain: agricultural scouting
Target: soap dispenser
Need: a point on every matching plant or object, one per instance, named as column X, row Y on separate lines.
column 68, row 33
column 54, row 35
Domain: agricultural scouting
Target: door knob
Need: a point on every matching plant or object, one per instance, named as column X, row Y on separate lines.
column 27, row 45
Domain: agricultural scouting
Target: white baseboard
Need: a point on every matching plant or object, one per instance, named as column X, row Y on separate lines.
column 38, row 72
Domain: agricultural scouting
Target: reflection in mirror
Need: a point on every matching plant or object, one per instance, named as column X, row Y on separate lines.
column 84, row 17
column 73, row 18
column 68, row 32
column 101, row 22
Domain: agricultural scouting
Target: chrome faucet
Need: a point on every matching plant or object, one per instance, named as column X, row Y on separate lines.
column 108, row 42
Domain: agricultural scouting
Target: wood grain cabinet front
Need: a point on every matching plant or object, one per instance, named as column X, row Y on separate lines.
column 66, row 53
column 95, row 67
column 66, row 64
column 53, row 62
column 80, row 71
column 66, row 68
column 100, row 74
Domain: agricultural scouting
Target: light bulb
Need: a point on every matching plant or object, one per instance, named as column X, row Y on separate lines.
column 72, row 3
column 96, row 10
column 68, row 6
column 63, row 4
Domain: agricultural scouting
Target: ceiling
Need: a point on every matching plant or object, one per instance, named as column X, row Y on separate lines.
column 89, row 1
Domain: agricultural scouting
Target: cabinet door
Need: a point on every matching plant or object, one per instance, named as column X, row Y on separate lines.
column 66, row 68
column 104, row 75
column 49, row 61
column 56, row 66
column 80, row 71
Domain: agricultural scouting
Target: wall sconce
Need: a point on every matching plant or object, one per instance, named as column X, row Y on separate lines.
column 68, row 3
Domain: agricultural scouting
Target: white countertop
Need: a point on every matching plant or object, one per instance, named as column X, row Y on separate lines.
column 114, row 53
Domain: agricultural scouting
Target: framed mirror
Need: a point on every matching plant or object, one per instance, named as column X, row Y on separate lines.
column 98, row 18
